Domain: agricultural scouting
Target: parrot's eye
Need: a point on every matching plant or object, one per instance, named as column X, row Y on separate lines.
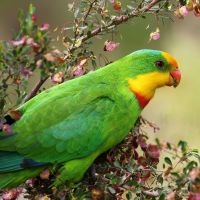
column 159, row 64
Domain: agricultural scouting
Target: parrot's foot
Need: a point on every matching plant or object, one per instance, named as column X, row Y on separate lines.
column 74, row 170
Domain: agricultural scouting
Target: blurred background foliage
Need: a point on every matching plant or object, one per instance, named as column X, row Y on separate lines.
column 175, row 111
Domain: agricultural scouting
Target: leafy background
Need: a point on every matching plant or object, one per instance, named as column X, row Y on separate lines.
column 176, row 111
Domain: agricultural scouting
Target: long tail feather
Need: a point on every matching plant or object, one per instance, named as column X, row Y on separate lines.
column 13, row 179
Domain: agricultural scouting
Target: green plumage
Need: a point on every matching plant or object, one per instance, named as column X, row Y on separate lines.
column 74, row 122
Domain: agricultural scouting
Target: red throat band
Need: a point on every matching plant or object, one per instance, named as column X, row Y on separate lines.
column 142, row 100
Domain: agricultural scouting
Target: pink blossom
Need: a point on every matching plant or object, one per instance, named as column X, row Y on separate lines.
column 33, row 44
column 195, row 173
column 11, row 194
column 44, row 27
column 39, row 63
column 50, row 57
column 6, row 128
column 82, row 63
column 155, row 35
column 153, row 151
column 78, row 71
column 31, row 181
column 19, row 42
column 26, row 72
column 58, row 77
column 54, row 56
column 194, row 196
column 170, row 196
column 142, row 142
column 110, row 45
column 183, row 11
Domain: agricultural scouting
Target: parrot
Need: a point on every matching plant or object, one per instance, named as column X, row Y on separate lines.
column 69, row 125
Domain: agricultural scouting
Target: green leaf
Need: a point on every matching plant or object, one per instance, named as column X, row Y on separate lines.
column 160, row 179
column 168, row 161
column 158, row 142
column 169, row 145
column 31, row 9
column 20, row 17
column 129, row 195
column 162, row 196
column 117, row 164
column 183, row 2
column 183, row 145
column 175, row 174
column 190, row 166
column 2, row 103
column 94, row 64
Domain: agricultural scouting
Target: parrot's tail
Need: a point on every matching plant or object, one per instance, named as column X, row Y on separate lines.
column 12, row 179
column 15, row 169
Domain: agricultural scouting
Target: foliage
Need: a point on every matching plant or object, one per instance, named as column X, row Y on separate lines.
column 135, row 169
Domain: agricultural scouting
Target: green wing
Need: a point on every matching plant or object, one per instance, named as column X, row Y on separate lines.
column 66, row 123
column 78, row 135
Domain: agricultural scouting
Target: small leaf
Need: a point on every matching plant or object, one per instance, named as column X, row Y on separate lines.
column 94, row 64
column 183, row 145
column 31, row 9
column 117, row 164
column 190, row 166
column 158, row 142
column 160, row 179
column 162, row 196
column 78, row 42
column 76, row 12
column 169, row 146
column 129, row 195
column 168, row 161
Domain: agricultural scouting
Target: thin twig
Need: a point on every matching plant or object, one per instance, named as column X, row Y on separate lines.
column 88, row 11
column 35, row 89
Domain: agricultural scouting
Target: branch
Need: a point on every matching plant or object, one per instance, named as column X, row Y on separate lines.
column 35, row 90
column 117, row 21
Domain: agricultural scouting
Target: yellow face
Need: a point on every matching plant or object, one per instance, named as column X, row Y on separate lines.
column 146, row 84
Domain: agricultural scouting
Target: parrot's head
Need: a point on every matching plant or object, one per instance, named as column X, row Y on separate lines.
column 152, row 69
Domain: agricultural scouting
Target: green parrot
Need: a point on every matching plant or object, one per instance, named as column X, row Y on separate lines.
column 71, row 124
